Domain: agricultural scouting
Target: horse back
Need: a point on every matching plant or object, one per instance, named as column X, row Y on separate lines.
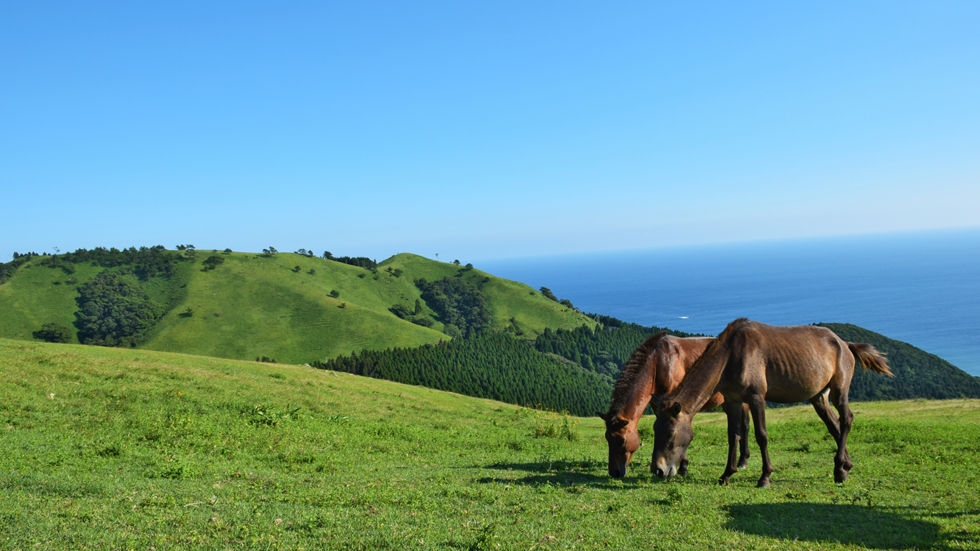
column 787, row 364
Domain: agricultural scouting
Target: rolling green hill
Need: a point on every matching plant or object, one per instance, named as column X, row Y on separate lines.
column 109, row 448
column 289, row 307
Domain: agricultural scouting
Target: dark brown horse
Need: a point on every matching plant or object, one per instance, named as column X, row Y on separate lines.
column 656, row 367
column 753, row 362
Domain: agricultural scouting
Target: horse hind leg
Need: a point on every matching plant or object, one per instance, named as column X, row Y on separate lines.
column 822, row 406
column 743, row 439
column 842, row 461
column 757, row 404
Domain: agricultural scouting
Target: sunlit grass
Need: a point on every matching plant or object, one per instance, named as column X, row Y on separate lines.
column 131, row 449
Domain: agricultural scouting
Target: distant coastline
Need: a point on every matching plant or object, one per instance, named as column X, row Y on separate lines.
column 919, row 287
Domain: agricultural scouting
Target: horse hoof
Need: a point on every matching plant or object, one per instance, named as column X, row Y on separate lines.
column 764, row 483
column 742, row 464
column 723, row 481
column 840, row 476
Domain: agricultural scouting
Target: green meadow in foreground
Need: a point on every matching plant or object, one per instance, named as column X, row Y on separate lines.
column 133, row 449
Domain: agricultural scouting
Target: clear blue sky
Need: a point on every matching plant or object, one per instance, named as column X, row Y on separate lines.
column 483, row 129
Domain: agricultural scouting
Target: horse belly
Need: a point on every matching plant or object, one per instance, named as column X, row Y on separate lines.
column 797, row 383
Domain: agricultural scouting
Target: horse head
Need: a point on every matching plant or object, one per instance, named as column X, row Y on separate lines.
column 623, row 440
column 672, row 435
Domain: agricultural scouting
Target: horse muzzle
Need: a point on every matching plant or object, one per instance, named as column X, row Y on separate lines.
column 664, row 471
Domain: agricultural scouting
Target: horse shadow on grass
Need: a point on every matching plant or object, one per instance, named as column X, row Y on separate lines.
column 849, row 525
column 556, row 473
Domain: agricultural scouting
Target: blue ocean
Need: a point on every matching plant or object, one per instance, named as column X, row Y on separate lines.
column 922, row 288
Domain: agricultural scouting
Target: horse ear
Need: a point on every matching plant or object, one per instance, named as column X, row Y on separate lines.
column 603, row 416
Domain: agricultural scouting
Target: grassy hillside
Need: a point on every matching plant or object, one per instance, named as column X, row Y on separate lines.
column 253, row 306
column 515, row 305
column 277, row 306
column 106, row 448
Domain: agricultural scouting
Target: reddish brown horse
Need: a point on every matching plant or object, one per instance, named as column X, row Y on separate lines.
column 753, row 362
column 656, row 367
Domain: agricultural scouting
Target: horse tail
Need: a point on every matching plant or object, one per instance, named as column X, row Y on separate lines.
column 870, row 358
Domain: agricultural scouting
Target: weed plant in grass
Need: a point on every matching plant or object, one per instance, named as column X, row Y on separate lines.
column 134, row 449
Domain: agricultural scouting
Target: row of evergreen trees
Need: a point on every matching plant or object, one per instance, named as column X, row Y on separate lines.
column 604, row 349
column 488, row 365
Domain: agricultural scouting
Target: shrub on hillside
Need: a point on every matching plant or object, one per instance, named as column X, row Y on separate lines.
column 53, row 332
column 212, row 262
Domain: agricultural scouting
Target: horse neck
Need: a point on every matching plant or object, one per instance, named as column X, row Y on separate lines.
column 639, row 398
column 635, row 386
column 701, row 379
column 672, row 366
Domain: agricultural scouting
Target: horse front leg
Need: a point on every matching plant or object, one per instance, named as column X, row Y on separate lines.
column 743, row 439
column 734, row 413
column 757, row 405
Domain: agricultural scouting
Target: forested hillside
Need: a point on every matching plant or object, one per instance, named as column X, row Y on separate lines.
column 918, row 374
column 489, row 365
column 603, row 349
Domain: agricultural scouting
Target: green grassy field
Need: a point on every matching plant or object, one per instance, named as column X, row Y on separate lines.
column 278, row 306
column 106, row 448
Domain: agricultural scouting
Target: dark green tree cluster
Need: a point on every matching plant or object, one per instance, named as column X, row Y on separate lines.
column 415, row 316
column 53, row 332
column 551, row 296
column 188, row 251
column 490, row 365
column 359, row 261
column 212, row 262
column 401, row 311
column 459, row 304
column 144, row 262
column 918, row 374
column 113, row 312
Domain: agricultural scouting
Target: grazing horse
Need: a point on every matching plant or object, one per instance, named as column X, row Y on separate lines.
column 753, row 362
column 656, row 367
